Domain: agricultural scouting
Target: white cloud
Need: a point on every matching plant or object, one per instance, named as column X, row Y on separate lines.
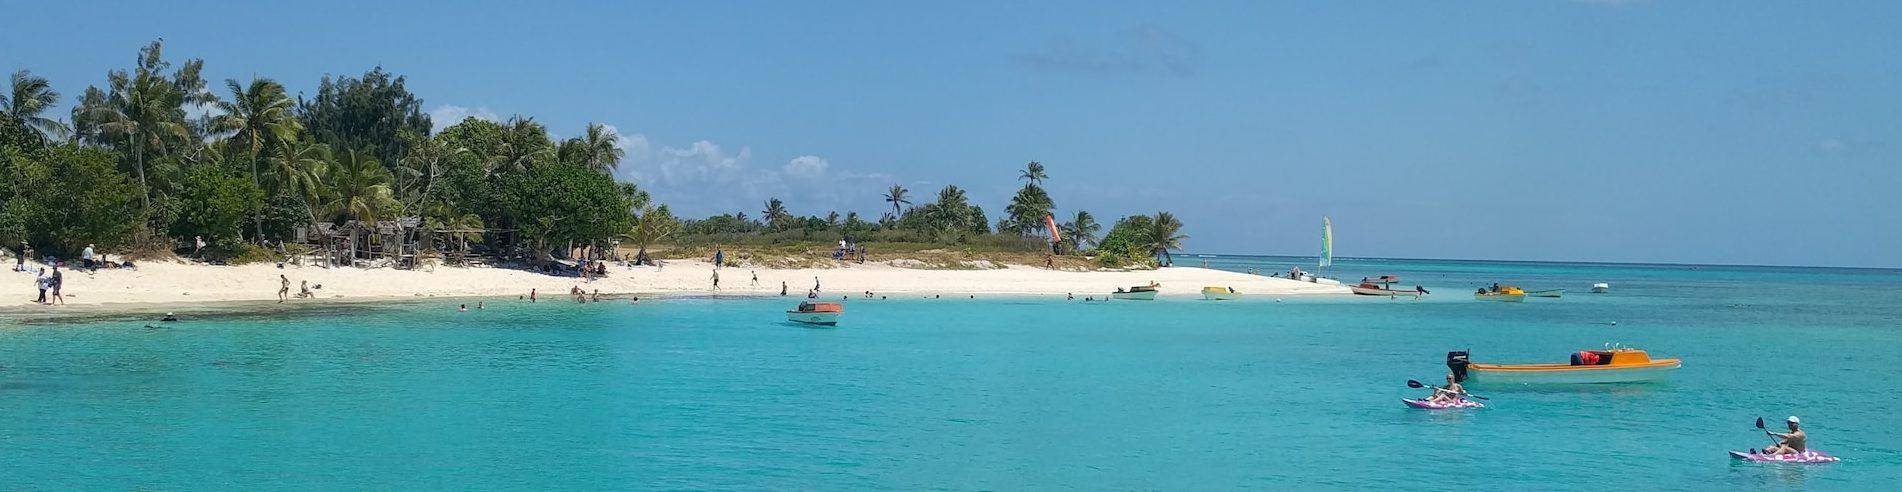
column 448, row 115
column 704, row 178
column 806, row 166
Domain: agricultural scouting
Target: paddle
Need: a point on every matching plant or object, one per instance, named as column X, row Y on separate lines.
column 1773, row 438
column 1415, row 384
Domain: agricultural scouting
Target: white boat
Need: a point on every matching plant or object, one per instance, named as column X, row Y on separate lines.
column 816, row 313
column 1213, row 293
column 1137, row 293
column 1600, row 288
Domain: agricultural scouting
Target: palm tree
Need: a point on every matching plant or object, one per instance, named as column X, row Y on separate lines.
column 1165, row 233
column 30, row 97
column 142, row 109
column 775, row 214
column 599, row 148
column 896, row 196
column 255, row 115
column 518, row 151
column 1033, row 172
column 832, row 219
column 360, row 190
column 129, row 114
column 296, row 171
column 1081, row 231
column 952, row 210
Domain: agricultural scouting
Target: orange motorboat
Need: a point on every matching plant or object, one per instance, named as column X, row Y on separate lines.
column 1612, row 365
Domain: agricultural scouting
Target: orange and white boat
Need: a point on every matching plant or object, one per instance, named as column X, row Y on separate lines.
column 816, row 313
column 1614, row 365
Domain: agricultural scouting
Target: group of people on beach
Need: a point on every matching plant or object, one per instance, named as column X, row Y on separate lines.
column 284, row 289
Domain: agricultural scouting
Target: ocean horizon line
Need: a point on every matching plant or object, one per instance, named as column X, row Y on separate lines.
column 1897, row 269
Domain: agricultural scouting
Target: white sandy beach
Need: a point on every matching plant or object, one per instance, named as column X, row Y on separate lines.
column 173, row 283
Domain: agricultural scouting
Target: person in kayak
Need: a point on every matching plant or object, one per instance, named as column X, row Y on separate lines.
column 1792, row 443
column 1451, row 393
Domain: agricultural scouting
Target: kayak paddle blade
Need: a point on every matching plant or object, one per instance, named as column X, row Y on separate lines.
column 1759, row 422
column 1416, row 384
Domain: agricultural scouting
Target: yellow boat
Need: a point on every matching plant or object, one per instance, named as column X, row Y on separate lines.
column 1220, row 293
column 1618, row 365
column 1504, row 293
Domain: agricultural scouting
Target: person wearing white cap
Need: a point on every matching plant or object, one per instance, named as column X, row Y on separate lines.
column 1792, row 443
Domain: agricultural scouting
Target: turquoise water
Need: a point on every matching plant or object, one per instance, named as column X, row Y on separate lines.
column 973, row 394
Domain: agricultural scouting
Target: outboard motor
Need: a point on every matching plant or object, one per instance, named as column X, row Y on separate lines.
column 1457, row 361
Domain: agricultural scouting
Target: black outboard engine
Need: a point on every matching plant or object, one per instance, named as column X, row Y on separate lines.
column 1457, row 361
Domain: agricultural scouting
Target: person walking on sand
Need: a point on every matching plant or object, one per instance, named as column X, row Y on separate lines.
column 56, row 282
column 716, row 279
column 782, row 288
column 755, row 277
column 531, row 295
column 815, row 283
column 283, row 288
column 42, row 282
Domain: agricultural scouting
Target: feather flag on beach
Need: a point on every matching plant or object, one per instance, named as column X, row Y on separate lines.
column 1051, row 222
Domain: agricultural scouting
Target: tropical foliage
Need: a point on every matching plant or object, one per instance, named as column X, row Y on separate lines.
column 152, row 157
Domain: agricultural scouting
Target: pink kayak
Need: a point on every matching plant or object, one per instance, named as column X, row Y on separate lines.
column 1433, row 405
column 1803, row 457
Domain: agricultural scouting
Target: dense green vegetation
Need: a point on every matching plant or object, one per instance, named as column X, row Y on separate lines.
column 135, row 171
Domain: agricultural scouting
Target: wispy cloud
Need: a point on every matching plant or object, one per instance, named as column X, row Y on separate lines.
column 704, row 177
column 448, row 115
column 1138, row 50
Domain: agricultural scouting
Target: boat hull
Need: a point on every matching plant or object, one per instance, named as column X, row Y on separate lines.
column 1502, row 374
column 1376, row 291
column 1220, row 296
column 1147, row 295
column 1501, row 297
column 1601, row 288
column 813, row 318
column 1546, row 293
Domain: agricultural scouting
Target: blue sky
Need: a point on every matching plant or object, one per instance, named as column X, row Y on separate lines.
column 1706, row 132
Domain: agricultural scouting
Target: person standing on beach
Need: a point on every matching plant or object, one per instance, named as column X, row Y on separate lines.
column 755, row 277
column 815, row 283
column 531, row 295
column 19, row 260
column 716, row 279
column 86, row 258
column 283, row 288
column 719, row 258
column 782, row 288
